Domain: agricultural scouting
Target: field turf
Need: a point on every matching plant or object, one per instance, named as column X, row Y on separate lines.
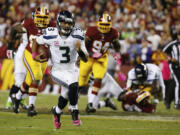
column 104, row 122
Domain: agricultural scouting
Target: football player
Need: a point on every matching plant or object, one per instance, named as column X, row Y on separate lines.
column 110, row 88
column 97, row 40
column 144, row 75
column 17, row 50
column 65, row 42
column 33, row 62
column 138, row 101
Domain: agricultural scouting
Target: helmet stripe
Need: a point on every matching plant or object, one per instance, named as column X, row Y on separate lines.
column 42, row 10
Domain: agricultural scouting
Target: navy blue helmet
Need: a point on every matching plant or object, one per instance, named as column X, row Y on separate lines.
column 66, row 17
column 141, row 72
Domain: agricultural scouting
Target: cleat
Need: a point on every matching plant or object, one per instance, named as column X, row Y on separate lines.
column 90, row 109
column 9, row 105
column 56, row 120
column 23, row 104
column 76, row 118
column 16, row 103
column 109, row 103
column 31, row 111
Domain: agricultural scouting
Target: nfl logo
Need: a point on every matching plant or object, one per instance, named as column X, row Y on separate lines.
column 56, row 43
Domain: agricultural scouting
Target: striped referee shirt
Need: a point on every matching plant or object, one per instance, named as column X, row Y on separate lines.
column 173, row 50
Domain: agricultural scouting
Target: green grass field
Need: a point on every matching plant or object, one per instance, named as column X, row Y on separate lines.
column 104, row 122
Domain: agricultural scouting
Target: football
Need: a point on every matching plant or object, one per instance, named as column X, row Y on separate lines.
column 42, row 49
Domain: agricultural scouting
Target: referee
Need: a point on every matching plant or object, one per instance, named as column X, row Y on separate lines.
column 173, row 50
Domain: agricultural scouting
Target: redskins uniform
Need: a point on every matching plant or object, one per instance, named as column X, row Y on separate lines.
column 97, row 40
column 138, row 101
column 100, row 43
column 34, row 28
column 35, row 69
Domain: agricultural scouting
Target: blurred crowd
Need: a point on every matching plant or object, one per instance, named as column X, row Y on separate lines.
column 145, row 26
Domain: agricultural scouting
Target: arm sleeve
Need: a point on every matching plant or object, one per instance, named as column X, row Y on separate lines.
column 83, row 48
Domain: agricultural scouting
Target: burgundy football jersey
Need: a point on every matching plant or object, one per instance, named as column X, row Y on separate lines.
column 33, row 31
column 100, row 42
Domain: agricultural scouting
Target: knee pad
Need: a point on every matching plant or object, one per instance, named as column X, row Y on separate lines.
column 14, row 89
column 73, row 93
column 62, row 102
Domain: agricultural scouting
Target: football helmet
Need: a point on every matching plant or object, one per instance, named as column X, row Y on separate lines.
column 141, row 72
column 41, row 17
column 65, row 22
column 104, row 24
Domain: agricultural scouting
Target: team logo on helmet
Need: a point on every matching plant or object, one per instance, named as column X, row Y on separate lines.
column 104, row 24
column 41, row 17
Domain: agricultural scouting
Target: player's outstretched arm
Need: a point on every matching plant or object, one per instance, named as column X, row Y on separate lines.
column 81, row 49
column 116, row 45
column 14, row 39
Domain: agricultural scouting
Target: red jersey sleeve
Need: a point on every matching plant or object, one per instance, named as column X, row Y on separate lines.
column 52, row 24
column 89, row 32
column 130, row 97
column 27, row 22
column 115, row 33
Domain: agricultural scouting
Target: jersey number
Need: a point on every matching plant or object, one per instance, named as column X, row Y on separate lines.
column 65, row 54
column 98, row 46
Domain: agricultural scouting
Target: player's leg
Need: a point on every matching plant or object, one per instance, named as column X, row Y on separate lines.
column 58, row 110
column 84, row 73
column 63, row 98
column 68, row 80
column 89, row 107
column 99, row 70
column 35, row 70
column 73, row 99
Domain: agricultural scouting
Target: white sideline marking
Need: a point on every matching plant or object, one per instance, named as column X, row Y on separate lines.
column 134, row 117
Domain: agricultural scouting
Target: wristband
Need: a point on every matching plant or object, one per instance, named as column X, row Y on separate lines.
column 34, row 54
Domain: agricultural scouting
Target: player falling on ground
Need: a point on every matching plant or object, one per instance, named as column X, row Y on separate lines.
column 138, row 101
column 97, row 40
column 65, row 41
column 143, row 75
column 110, row 88
column 34, row 64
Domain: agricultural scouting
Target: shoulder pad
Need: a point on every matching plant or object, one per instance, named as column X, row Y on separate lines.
column 78, row 33
column 50, row 33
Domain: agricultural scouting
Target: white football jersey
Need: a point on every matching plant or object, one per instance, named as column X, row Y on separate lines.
column 154, row 74
column 63, row 51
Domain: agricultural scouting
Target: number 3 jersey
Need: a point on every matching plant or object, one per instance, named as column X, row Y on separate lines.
column 100, row 42
column 63, row 50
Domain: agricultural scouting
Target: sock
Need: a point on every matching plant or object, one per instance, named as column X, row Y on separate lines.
column 24, row 96
column 9, row 99
column 19, row 95
column 96, row 87
column 32, row 100
column 101, row 104
column 55, row 89
column 58, row 110
column 47, row 88
column 62, row 102
column 73, row 93
column 73, row 107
